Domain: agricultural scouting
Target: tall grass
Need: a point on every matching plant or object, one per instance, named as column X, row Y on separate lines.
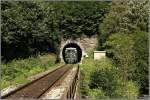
column 102, row 79
column 17, row 71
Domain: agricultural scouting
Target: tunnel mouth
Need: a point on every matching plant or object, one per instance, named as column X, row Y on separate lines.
column 75, row 48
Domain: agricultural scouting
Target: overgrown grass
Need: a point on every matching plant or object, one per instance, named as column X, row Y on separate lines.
column 17, row 71
column 87, row 69
column 102, row 79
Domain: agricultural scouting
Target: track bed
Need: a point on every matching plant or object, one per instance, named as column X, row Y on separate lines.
column 38, row 87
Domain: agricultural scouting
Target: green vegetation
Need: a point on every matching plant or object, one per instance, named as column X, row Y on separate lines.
column 119, row 47
column 141, row 60
column 124, row 35
column 125, row 16
column 102, row 79
column 130, row 54
column 32, row 27
column 17, row 71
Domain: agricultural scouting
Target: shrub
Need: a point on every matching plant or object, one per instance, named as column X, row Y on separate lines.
column 97, row 93
column 108, row 78
column 128, row 90
column 141, row 57
column 105, row 76
column 130, row 54
column 132, row 90
column 125, row 16
column 119, row 47
column 17, row 71
column 102, row 79
column 31, row 27
column 86, row 70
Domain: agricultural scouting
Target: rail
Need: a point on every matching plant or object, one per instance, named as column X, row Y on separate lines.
column 40, row 86
column 72, row 91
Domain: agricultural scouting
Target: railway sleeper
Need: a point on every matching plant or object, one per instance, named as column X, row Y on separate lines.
column 66, row 89
column 58, row 84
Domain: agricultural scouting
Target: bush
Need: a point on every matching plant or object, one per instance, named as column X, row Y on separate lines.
column 141, row 57
column 108, row 78
column 30, row 27
column 132, row 90
column 86, row 70
column 97, row 93
column 102, row 79
column 128, row 90
column 119, row 47
column 105, row 76
column 130, row 54
column 17, row 71
column 125, row 16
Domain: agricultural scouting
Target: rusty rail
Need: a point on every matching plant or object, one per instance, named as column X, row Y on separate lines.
column 46, row 82
column 39, row 85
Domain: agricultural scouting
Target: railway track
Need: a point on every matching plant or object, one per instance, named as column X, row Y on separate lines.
column 38, row 87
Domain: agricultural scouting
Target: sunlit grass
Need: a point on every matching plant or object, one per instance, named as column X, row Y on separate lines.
column 101, row 79
column 18, row 71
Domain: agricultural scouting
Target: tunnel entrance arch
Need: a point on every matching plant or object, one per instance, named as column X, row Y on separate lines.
column 76, row 51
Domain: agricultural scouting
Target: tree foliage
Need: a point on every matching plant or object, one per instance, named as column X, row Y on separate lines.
column 124, row 35
column 119, row 47
column 125, row 16
column 22, row 29
column 107, row 78
column 130, row 54
column 29, row 27
column 19, row 71
column 141, row 60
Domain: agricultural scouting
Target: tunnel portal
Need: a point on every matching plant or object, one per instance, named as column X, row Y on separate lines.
column 72, row 53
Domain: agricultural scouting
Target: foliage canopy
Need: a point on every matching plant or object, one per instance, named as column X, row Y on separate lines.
column 29, row 27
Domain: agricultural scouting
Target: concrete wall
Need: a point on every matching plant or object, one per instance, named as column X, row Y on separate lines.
column 99, row 54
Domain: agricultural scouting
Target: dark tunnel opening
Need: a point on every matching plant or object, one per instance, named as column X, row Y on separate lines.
column 72, row 53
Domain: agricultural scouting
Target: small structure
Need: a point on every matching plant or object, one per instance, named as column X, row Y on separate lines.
column 99, row 54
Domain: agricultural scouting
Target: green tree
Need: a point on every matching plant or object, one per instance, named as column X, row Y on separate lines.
column 120, row 34
column 130, row 54
column 22, row 31
column 141, row 60
column 119, row 47
column 125, row 16
column 30, row 27
column 106, row 81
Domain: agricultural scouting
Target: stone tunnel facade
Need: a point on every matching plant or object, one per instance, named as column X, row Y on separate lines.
column 83, row 45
